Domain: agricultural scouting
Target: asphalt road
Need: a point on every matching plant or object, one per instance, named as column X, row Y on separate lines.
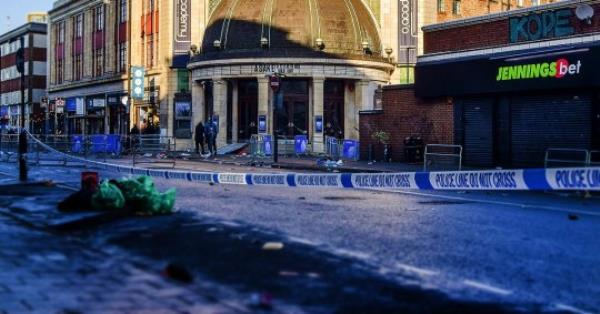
column 513, row 248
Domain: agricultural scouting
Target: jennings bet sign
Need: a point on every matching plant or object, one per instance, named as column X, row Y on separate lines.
column 556, row 69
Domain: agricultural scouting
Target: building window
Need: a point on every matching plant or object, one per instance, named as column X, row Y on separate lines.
column 99, row 18
column 441, row 6
column 456, row 7
column 535, row 2
column 78, row 67
column 122, row 66
column 99, row 62
column 79, row 26
column 123, row 11
column 520, row 3
column 151, row 5
column 59, row 71
column 149, row 51
column 61, row 32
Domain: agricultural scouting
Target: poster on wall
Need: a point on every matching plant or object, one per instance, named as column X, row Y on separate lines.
column 408, row 31
column 183, row 109
column 318, row 124
column 262, row 124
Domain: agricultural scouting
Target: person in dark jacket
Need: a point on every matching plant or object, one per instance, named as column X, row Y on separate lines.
column 199, row 137
column 210, row 132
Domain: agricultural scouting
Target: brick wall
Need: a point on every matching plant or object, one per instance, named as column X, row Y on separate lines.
column 487, row 34
column 404, row 115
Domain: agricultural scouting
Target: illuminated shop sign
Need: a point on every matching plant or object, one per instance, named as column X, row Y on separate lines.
column 556, row 69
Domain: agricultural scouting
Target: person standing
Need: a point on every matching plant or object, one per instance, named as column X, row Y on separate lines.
column 199, row 137
column 210, row 131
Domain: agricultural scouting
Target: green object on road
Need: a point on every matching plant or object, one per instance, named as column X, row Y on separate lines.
column 108, row 197
column 141, row 195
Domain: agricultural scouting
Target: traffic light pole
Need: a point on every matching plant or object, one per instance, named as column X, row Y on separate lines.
column 22, row 135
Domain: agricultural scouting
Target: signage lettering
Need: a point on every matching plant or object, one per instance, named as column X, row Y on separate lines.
column 276, row 68
column 557, row 69
column 182, row 25
column 577, row 179
column 536, row 26
column 476, row 180
column 317, row 180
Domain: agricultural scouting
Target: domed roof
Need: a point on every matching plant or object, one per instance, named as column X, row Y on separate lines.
column 291, row 28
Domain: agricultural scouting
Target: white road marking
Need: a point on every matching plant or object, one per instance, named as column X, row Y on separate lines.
column 353, row 254
column 486, row 287
column 476, row 200
column 564, row 307
column 303, row 241
column 417, row 270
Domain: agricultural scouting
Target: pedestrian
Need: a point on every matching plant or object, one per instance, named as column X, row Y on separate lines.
column 210, row 132
column 199, row 137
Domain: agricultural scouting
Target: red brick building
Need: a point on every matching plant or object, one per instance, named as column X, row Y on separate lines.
column 506, row 86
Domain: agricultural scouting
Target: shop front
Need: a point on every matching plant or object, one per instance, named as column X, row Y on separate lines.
column 510, row 108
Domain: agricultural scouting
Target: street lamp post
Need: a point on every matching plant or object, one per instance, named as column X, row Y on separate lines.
column 20, row 64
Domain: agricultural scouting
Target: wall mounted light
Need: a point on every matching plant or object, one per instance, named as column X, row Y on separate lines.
column 217, row 44
column 264, row 43
column 366, row 47
column 320, row 44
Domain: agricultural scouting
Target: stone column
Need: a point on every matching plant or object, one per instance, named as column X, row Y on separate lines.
column 350, row 112
column 220, row 109
column 197, row 104
column 264, row 102
column 363, row 101
column 234, row 113
column 318, row 93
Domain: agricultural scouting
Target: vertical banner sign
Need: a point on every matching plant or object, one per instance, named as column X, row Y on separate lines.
column 137, row 82
column 182, row 27
column 408, row 32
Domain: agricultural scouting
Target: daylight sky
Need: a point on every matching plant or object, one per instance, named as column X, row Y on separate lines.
column 17, row 11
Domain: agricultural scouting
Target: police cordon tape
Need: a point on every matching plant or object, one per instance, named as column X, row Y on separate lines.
column 583, row 179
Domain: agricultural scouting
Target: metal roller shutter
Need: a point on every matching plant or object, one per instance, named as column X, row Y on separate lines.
column 478, row 132
column 542, row 122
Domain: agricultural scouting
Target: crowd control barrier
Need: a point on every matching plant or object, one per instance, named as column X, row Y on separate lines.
column 578, row 178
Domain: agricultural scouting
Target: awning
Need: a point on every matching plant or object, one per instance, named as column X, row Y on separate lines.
column 536, row 69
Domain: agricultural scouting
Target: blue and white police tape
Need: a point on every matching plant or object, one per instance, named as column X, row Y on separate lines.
column 583, row 179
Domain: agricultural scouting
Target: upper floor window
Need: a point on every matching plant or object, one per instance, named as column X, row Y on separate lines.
column 535, row 2
column 99, row 18
column 123, row 11
column 151, row 5
column 61, row 32
column 79, row 26
column 456, row 9
column 441, row 6
column 520, row 3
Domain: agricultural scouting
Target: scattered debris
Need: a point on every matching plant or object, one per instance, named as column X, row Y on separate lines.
column 272, row 246
column 301, row 198
column 286, row 273
column 178, row 273
column 573, row 217
column 261, row 300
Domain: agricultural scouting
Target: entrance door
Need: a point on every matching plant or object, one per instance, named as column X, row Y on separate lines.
column 247, row 109
column 334, row 108
column 478, row 132
column 291, row 103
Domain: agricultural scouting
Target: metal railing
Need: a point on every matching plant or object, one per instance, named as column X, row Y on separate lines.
column 442, row 154
column 346, row 149
column 566, row 157
column 152, row 149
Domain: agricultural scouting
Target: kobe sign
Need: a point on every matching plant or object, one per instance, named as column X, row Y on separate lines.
column 556, row 69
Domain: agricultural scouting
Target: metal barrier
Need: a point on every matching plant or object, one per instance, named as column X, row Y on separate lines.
column 346, row 149
column 442, row 154
column 152, row 149
column 566, row 157
column 594, row 158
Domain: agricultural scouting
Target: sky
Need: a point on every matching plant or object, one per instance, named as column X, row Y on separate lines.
column 17, row 11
